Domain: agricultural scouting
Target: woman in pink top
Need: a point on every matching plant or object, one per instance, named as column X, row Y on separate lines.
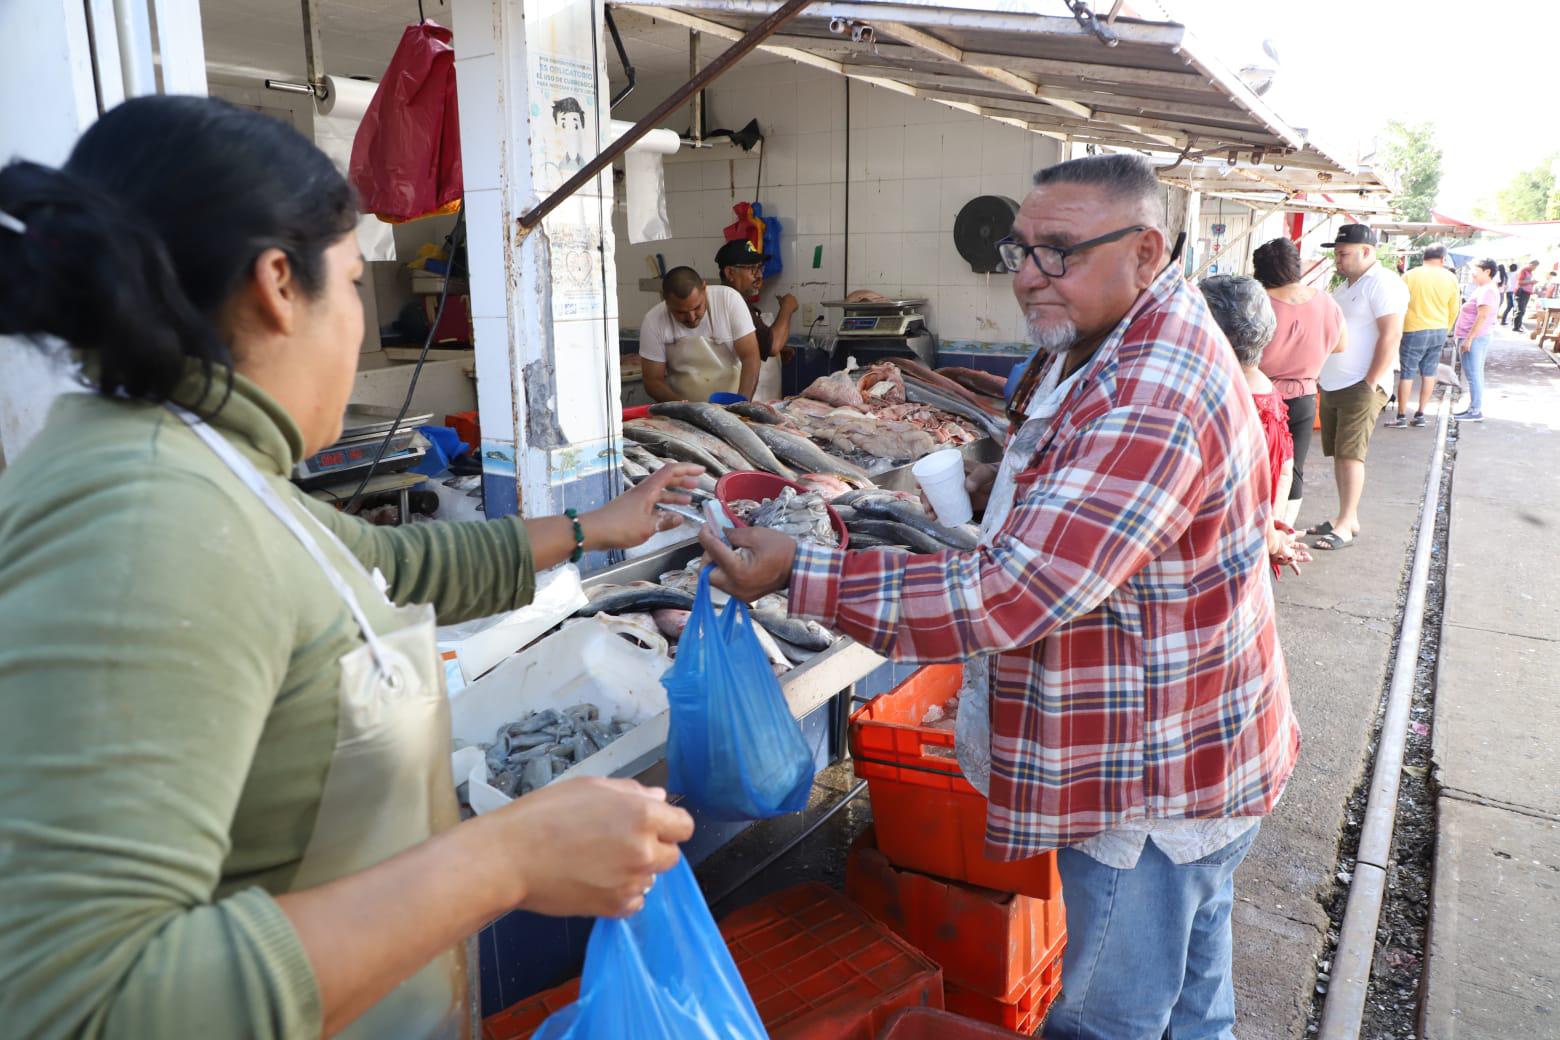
column 1309, row 327
column 1474, row 326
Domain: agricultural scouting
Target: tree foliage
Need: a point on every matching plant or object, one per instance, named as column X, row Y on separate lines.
column 1529, row 195
column 1410, row 153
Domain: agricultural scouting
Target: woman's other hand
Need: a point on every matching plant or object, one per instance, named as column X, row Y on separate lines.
column 589, row 847
column 632, row 518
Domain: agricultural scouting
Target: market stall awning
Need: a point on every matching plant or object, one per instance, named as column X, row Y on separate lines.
column 1156, row 88
column 1309, row 172
column 1540, row 231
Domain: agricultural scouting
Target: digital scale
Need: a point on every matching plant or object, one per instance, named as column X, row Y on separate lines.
column 872, row 330
column 363, row 429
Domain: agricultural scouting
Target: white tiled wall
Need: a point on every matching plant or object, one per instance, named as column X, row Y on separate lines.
column 911, row 165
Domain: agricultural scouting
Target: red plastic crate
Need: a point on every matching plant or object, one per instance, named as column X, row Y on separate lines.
column 1023, row 1015
column 926, row 1024
column 990, row 943
column 519, row 1021
column 818, row 968
column 928, row 817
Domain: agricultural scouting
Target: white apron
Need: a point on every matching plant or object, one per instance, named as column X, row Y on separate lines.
column 389, row 784
column 972, row 725
column 697, row 366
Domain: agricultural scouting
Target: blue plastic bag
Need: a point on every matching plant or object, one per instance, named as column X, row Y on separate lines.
column 734, row 751
column 663, row 974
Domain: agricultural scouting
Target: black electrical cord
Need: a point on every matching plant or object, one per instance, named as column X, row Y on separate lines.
column 454, row 240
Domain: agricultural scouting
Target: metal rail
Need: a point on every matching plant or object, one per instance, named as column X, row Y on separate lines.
column 711, row 72
column 1345, row 1005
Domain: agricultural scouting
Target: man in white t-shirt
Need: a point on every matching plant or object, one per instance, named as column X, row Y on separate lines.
column 698, row 340
column 1355, row 384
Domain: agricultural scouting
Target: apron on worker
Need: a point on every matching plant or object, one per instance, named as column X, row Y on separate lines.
column 389, row 785
column 697, row 366
column 972, row 725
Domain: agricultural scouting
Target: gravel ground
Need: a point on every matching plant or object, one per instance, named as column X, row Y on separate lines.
column 1392, row 1001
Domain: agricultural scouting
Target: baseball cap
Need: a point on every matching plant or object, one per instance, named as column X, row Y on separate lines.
column 1352, row 235
column 739, row 253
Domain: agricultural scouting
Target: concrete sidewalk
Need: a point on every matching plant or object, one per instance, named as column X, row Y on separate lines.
column 1336, row 624
column 1493, row 952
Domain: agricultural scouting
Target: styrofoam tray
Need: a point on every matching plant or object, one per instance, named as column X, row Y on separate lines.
column 584, row 662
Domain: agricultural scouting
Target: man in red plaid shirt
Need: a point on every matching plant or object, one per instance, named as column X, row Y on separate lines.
column 1139, row 709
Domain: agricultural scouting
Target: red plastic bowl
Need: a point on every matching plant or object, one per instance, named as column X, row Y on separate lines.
column 757, row 486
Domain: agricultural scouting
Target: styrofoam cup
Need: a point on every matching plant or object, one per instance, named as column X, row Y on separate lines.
column 941, row 476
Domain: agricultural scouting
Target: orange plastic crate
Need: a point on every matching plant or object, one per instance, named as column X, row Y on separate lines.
column 1023, row 1015
column 926, row 1024
column 818, row 968
column 928, row 817
column 990, row 943
column 519, row 1021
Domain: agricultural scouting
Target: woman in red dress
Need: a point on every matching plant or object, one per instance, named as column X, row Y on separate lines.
column 1241, row 308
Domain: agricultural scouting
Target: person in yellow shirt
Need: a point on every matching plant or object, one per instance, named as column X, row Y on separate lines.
column 1433, row 298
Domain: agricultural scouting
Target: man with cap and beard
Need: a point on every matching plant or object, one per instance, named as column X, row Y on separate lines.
column 742, row 268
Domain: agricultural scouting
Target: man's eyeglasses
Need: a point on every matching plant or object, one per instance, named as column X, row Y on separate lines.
column 1052, row 260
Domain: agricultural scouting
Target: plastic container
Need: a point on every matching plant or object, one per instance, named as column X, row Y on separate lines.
column 726, row 397
column 941, row 476
column 987, row 942
column 1022, row 1015
column 468, row 426
column 928, row 1024
column 585, row 662
column 819, row 968
column 926, row 815
column 639, row 411
column 751, row 484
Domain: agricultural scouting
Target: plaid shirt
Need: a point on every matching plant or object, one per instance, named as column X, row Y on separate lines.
column 1138, row 674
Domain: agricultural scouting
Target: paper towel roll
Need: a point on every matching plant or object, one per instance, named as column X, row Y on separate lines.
column 646, row 182
column 336, row 121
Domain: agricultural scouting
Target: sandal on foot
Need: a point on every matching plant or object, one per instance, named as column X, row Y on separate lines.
column 1325, row 527
column 1333, row 542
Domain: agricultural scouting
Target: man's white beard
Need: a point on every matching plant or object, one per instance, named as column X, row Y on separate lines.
column 1054, row 338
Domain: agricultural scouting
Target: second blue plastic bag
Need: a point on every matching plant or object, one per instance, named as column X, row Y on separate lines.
column 734, row 751
column 663, row 974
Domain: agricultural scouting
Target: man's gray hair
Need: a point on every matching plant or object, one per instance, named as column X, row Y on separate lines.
column 1241, row 308
column 1124, row 178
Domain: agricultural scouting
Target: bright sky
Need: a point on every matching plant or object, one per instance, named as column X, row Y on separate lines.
column 1348, row 66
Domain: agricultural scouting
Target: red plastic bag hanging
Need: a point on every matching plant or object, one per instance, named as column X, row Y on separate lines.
column 406, row 155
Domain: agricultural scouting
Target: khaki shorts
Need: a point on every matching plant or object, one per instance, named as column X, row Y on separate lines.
column 1348, row 417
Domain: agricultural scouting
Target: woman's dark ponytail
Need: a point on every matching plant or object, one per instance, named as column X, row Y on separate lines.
column 132, row 251
column 87, row 272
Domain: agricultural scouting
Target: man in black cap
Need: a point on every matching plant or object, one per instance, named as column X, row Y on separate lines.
column 742, row 268
column 1355, row 384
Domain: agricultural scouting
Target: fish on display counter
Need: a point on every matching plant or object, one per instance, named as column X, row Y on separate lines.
column 799, row 451
column 731, row 430
column 800, row 515
column 671, row 446
column 717, row 448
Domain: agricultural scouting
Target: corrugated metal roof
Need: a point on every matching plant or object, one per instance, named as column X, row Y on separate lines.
column 1157, row 89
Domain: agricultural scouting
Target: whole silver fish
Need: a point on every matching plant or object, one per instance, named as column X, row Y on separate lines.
column 757, row 411
column 731, row 457
column 618, row 599
column 804, row 454
column 671, row 446
column 920, row 393
column 869, row 530
column 721, row 423
column 889, row 507
column 808, row 635
column 643, row 456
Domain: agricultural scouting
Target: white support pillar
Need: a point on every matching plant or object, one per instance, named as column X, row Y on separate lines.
column 49, row 64
column 533, row 108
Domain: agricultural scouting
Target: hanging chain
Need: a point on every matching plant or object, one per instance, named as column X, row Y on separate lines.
column 1085, row 17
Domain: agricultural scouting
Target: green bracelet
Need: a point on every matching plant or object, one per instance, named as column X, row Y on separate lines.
column 579, row 535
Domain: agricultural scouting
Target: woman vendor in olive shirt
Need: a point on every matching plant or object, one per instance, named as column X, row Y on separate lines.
column 226, row 807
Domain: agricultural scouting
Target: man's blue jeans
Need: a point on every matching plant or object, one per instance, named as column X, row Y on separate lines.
column 1148, row 949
